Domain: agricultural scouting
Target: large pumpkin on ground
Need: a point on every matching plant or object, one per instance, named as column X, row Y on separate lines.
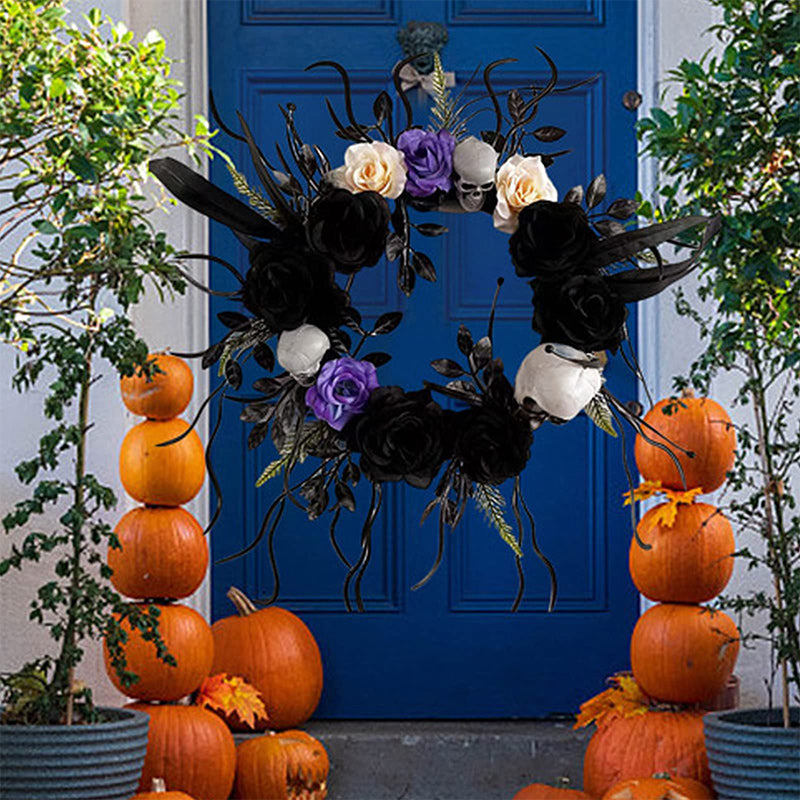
column 164, row 395
column 697, row 424
column 158, row 791
column 188, row 639
column 683, row 653
column 645, row 744
column 690, row 562
column 273, row 650
column 162, row 554
column 285, row 766
column 162, row 476
column 191, row 749
column 659, row 788
column 543, row 791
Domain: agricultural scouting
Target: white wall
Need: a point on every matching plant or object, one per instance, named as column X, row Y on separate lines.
column 670, row 31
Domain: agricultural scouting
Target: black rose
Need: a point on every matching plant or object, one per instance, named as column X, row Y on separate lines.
column 491, row 444
column 401, row 436
column 287, row 285
column 553, row 240
column 582, row 311
column 350, row 229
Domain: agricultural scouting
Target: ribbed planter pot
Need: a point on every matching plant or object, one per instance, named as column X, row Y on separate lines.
column 752, row 757
column 59, row 762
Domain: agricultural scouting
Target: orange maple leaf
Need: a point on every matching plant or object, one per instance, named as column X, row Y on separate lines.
column 231, row 694
column 644, row 491
column 623, row 699
column 666, row 513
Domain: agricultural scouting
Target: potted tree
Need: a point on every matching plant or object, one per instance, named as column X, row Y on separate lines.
column 82, row 111
column 728, row 145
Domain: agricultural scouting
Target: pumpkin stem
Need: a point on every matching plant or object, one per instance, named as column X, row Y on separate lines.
column 158, row 785
column 244, row 605
column 688, row 393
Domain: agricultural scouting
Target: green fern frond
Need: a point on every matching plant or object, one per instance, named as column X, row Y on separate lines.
column 256, row 199
column 443, row 112
column 491, row 503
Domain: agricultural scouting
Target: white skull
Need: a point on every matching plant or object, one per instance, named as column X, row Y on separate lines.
column 474, row 164
column 558, row 386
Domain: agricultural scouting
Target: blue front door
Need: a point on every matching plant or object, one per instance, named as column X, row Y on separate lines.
column 451, row 649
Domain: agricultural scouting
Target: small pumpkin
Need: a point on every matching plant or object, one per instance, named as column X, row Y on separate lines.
column 162, row 553
column 645, row 744
column 689, row 562
column 659, row 788
column 191, row 749
column 683, row 653
column 188, row 639
column 162, row 476
column 283, row 766
column 164, row 395
column 544, row 791
column 158, row 791
column 697, row 424
column 273, row 650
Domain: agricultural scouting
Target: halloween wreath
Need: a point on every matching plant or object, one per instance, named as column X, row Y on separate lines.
column 312, row 227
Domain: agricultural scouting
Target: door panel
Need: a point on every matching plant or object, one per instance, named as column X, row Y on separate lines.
column 451, row 649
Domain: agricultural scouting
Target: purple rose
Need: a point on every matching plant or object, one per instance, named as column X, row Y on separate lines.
column 342, row 390
column 429, row 160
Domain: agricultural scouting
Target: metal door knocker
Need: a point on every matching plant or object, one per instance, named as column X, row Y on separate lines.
column 427, row 38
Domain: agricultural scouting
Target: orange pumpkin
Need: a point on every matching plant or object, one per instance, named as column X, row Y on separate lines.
column 690, row 562
column 191, row 749
column 283, row 766
column 162, row 553
column 699, row 425
column 645, row 744
column 189, row 640
column 683, row 653
column 543, row 791
column 164, row 395
column 158, row 791
column 273, row 650
column 659, row 788
column 162, row 476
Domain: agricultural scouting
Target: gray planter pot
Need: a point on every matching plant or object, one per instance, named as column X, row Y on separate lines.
column 90, row 762
column 751, row 758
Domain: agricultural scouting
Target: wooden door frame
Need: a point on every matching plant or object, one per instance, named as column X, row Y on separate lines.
column 186, row 36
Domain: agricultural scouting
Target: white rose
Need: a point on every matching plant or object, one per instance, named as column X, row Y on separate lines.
column 559, row 387
column 300, row 351
column 475, row 161
column 520, row 182
column 371, row 167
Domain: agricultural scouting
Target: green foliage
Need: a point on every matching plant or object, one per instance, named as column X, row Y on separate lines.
column 83, row 109
column 492, row 504
column 729, row 145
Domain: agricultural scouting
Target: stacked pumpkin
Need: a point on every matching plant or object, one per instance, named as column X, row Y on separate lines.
column 682, row 652
column 162, row 558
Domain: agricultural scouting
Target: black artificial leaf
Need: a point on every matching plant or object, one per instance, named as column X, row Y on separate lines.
column 609, row 227
column 394, row 246
column 349, row 132
column 257, row 435
column 317, row 501
column 574, row 195
column 351, row 473
column 622, row 208
column 387, row 322
column 494, row 369
column 288, row 184
column 257, row 412
column 498, row 141
column 352, row 317
column 344, row 496
column 213, row 354
column 264, row 356
column 427, row 510
column 462, row 386
column 398, row 218
column 596, row 191
column 340, row 340
column 382, row 107
column 516, row 105
column 482, row 352
column 377, row 359
column 464, row 340
column 269, row 387
column 406, row 278
column 308, row 159
column 447, row 367
column 233, row 319
column 233, row 373
column 431, row 229
column 549, row 133
column 424, row 267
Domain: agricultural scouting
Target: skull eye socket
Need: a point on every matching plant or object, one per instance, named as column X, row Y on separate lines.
column 485, row 187
column 468, row 187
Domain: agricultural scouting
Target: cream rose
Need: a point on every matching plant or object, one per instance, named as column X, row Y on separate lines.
column 520, row 182
column 371, row 167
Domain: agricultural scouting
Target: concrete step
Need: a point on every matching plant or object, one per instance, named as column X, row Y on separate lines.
column 447, row 760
